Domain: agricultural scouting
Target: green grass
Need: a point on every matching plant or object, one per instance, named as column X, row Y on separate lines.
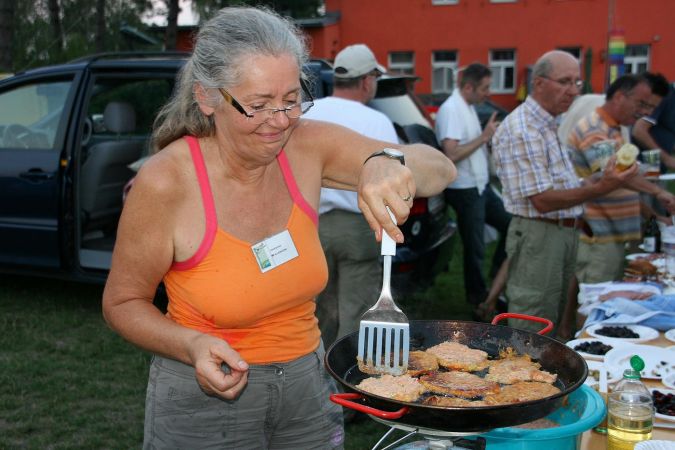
column 68, row 382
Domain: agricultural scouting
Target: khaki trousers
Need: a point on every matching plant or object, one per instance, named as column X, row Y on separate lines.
column 542, row 261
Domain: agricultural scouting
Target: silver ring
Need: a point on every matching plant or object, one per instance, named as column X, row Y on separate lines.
column 407, row 199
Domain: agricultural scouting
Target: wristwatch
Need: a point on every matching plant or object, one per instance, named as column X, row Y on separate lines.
column 389, row 153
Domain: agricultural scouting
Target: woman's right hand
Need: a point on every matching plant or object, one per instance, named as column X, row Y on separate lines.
column 219, row 369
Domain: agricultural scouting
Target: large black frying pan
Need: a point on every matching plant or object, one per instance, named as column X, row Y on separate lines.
column 553, row 356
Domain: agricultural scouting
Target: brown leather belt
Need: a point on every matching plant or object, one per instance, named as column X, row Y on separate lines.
column 569, row 222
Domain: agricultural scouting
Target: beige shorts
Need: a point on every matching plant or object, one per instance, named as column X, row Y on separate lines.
column 284, row 406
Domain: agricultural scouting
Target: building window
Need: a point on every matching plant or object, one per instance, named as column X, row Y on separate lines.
column 503, row 1
column 444, row 2
column 402, row 63
column 574, row 51
column 443, row 69
column 503, row 66
column 636, row 59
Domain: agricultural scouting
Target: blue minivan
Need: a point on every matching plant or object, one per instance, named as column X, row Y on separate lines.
column 69, row 135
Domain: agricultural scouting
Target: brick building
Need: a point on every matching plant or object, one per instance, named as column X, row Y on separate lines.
column 433, row 38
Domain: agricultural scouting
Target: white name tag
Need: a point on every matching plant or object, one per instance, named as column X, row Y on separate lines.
column 274, row 251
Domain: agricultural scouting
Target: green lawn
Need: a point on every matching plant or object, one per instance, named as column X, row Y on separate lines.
column 67, row 381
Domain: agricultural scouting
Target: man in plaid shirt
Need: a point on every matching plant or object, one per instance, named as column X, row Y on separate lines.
column 542, row 191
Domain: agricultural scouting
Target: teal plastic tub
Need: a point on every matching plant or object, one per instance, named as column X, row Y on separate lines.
column 584, row 410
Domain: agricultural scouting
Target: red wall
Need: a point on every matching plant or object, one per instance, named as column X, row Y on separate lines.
column 473, row 27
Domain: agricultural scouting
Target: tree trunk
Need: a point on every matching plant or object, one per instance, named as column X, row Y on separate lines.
column 170, row 39
column 100, row 26
column 7, row 8
column 55, row 20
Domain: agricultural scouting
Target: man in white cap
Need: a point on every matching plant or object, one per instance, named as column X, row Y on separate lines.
column 355, row 276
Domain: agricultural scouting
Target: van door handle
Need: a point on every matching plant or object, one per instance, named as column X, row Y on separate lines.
column 37, row 175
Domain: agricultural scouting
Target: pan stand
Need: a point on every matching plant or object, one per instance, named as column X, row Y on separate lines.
column 435, row 439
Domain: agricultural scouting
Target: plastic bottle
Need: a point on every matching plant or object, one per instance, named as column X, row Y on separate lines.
column 630, row 413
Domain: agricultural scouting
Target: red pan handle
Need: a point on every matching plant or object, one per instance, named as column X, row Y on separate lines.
column 549, row 324
column 343, row 400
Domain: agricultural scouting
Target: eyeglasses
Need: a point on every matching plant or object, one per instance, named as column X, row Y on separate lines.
column 262, row 115
column 646, row 105
column 567, row 82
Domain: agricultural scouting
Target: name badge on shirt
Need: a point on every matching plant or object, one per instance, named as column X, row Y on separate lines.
column 274, row 251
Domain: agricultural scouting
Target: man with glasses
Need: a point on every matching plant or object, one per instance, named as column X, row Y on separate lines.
column 354, row 274
column 543, row 193
column 657, row 130
column 463, row 141
column 615, row 216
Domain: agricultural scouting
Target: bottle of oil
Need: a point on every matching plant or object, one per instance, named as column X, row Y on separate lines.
column 630, row 413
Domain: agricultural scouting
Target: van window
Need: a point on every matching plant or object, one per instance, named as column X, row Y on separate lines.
column 31, row 114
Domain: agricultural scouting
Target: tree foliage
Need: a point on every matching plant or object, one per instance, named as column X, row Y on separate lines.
column 45, row 32
column 291, row 8
column 33, row 40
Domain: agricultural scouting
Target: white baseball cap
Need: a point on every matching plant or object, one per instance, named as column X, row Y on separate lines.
column 355, row 61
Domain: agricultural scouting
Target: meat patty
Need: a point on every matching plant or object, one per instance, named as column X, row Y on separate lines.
column 403, row 388
column 456, row 356
column 420, row 362
column 446, row 402
column 518, row 368
column 521, row 392
column 459, row 384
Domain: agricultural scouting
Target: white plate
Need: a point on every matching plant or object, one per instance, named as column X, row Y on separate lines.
column 645, row 333
column 667, row 176
column 619, row 359
column 589, row 356
column 670, row 335
column 663, row 416
column 612, row 376
column 669, row 381
column 655, row 445
column 659, row 263
column 634, row 256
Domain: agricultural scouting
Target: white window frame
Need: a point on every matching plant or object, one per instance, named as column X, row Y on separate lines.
column 406, row 68
column 503, row 1
column 630, row 63
column 444, row 2
column 498, row 68
column 444, row 66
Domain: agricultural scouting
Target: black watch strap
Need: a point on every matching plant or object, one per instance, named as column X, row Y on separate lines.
column 389, row 153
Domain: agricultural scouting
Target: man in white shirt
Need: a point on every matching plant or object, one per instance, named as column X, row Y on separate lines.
column 459, row 132
column 354, row 272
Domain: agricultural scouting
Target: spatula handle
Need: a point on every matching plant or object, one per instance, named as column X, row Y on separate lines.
column 388, row 244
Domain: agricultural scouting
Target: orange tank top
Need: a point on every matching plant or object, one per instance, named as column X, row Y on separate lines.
column 266, row 317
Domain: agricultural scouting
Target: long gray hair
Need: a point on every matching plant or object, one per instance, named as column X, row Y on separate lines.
column 220, row 46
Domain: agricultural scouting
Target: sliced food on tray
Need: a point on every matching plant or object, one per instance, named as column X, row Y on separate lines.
column 420, row 362
column 450, row 402
column 458, row 384
column 514, row 369
column 403, row 387
column 456, row 356
column 524, row 391
column 445, row 378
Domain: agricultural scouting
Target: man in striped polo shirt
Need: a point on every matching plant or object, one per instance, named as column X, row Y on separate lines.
column 615, row 216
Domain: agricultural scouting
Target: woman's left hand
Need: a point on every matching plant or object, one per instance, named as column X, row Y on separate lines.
column 386, row 182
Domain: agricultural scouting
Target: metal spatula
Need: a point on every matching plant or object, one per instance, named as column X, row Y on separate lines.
column 384, row 331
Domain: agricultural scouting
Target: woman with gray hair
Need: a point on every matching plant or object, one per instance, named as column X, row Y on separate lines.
column 225, row 215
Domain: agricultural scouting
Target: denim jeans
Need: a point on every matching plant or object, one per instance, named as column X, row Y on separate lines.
column 474, row 211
